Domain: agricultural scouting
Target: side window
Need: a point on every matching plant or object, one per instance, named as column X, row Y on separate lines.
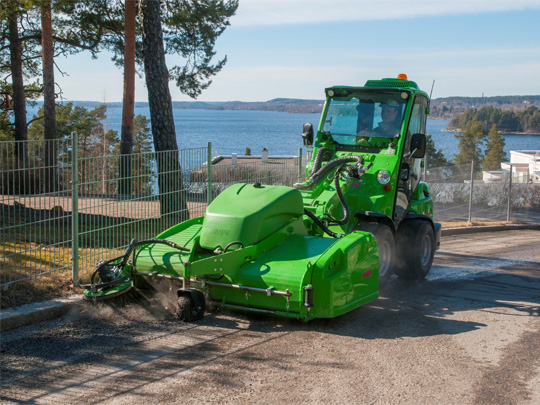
column 417, row 121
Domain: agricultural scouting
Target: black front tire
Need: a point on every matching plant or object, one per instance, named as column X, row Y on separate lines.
column 415, row 250
column 187, row 310
column 387, row 248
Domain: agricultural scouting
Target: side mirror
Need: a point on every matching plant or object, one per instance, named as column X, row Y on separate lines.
column 307, row 134
column 418, row 145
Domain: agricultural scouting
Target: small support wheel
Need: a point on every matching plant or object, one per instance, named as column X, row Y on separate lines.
column 188, row 310
column 416, row 249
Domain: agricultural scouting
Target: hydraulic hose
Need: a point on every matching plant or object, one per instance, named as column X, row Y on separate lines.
column 315, row 177
column 339, row 192
column 355, row 172
column 324, row 154
column 320, row 224
column 341, row 197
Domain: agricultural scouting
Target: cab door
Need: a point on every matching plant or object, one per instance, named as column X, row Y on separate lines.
column 410, row 169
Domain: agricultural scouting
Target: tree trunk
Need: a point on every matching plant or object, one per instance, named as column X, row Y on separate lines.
column 173, row 205
column 128, row 104
column 19, row 100
column 49, row 105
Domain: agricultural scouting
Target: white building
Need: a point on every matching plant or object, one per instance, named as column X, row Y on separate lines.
column 524, row 166
column 493, row 176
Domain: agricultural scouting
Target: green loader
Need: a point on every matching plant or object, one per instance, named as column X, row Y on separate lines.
column 318, row 249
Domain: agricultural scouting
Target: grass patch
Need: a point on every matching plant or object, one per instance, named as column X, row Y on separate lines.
column 42, row 288
column 45, row 272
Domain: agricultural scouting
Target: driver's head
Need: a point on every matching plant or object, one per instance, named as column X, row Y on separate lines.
column 389, row 112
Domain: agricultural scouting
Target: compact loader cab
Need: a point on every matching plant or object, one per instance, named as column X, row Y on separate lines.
column 384, row 124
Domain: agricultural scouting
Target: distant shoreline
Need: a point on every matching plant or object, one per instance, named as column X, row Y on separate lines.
column 502, row 133
column 443, row 108
column 521, row 133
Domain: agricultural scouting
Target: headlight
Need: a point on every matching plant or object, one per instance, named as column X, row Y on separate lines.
column 383, row 177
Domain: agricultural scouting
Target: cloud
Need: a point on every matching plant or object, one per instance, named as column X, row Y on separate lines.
column 279, row 12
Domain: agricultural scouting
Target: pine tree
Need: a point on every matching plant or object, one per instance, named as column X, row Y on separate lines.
column 435, row 157
column 495, row 154
column 173, row 206
column 18, row 60
column 128, row 102
column 190, row 28
column 470, row 141
column 32, row 34
column 49, row 103
column 143, row 167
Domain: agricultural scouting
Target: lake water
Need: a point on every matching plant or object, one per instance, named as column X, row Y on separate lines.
column 280, row 133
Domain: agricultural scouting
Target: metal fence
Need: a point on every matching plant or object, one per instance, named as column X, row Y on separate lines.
column 95, row 205
column 35, row 224
column 85, row 207
column 460, row 195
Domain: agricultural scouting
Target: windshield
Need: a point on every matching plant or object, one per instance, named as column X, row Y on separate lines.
column 365, row 118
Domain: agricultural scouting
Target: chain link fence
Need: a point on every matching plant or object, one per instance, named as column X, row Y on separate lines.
column 460, row 195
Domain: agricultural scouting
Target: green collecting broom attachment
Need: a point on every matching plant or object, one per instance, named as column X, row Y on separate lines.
column 252, row 251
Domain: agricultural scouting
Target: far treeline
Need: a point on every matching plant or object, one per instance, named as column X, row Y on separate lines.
column 526, row 121
column 450, row 107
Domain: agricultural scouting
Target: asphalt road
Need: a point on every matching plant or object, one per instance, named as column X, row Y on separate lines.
column 468, row 334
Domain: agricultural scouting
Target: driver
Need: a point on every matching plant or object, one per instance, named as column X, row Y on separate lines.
column 391, row 121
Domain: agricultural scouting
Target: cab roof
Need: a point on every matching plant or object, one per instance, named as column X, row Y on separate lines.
column 392, row 84
column 382, row 84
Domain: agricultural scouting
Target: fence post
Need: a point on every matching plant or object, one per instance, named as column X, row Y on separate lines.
column 209, row 174
column 75, row 209
column 471, row 192
column 509, row 195
column 300, row 175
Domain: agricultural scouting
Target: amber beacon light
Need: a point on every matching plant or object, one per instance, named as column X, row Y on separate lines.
column 402, row 76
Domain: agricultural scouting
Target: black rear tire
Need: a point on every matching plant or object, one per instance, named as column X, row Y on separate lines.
column 415, row 249
column 387, row 248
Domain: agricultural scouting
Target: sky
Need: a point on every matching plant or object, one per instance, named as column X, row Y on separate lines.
column 296, row 48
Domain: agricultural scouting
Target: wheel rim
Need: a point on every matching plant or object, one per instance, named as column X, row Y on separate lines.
column 425, row 251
